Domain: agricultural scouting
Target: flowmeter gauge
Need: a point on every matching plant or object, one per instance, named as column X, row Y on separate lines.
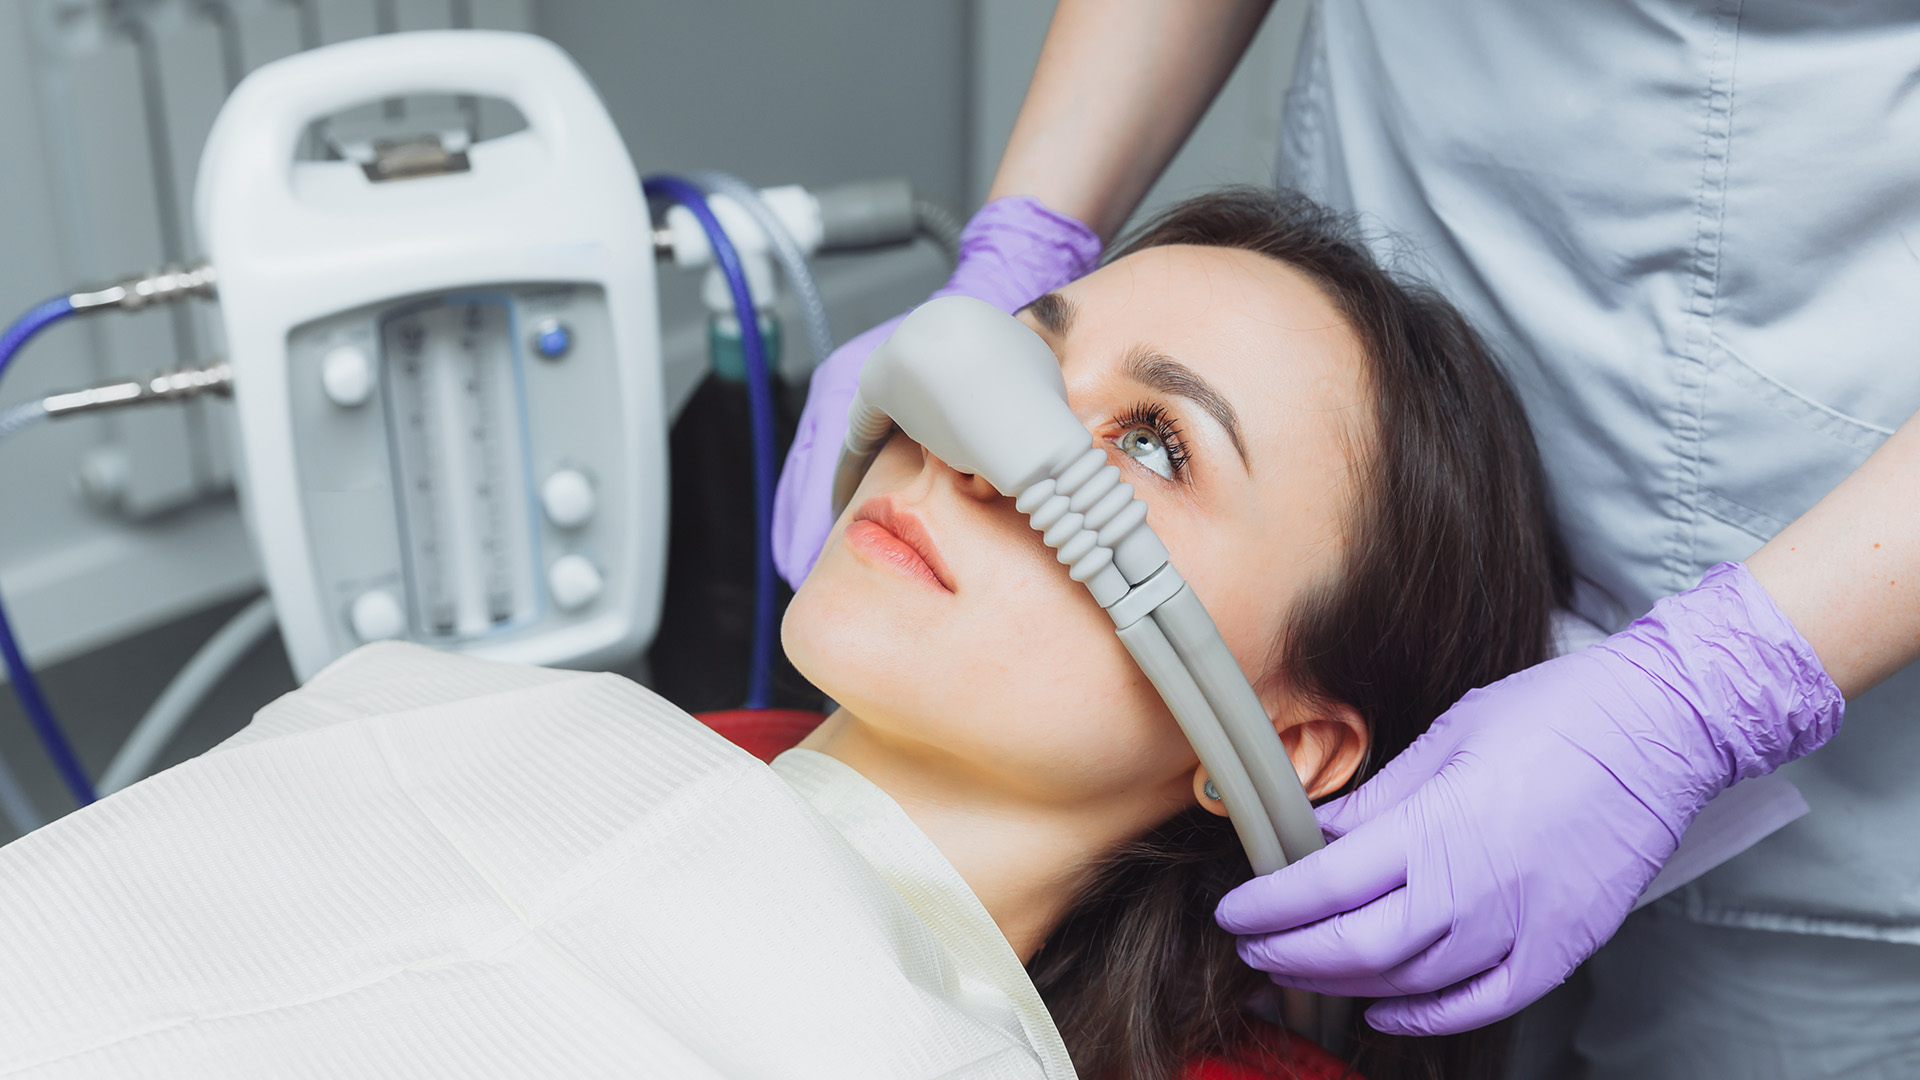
column 446, row 357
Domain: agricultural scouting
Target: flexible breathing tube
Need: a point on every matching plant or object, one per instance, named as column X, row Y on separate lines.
column 170, row 285
column 186, row 691
column 14, row 802
column 25, row 687
column 21, row 417
column 793, row 261
column 933, row 222
column 1098, row 529
column 760, row 412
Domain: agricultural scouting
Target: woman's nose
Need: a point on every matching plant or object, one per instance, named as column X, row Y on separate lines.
column 966, row 483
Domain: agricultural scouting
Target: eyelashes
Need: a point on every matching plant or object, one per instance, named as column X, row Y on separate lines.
column 1154, row 418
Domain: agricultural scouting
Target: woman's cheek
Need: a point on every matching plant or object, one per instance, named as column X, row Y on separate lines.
column 1243, row 574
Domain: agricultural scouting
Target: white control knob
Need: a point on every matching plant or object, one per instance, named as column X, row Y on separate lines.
column 376, row 615
column 567, row 496
column 347, row 374
column 574, row 581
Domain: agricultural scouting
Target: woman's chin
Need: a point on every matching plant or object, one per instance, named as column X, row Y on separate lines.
column 853, row 644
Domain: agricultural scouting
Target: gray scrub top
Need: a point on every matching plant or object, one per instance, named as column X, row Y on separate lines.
column 1691, row 232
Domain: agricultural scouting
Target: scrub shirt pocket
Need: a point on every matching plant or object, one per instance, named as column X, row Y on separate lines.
column 1768, row 452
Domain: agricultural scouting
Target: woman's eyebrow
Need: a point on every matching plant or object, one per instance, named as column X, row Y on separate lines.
column 1161, row 372
column 1054, row 312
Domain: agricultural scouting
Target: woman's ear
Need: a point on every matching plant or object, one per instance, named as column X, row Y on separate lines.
column 1326, row 742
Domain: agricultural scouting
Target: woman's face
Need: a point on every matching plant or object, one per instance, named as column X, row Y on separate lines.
column 1232, row 396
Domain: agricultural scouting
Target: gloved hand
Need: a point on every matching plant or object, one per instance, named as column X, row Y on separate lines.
column 1013, row 250
column 1481, row 866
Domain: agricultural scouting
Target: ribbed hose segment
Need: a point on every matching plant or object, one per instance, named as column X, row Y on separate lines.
column 20, row 417
column 933, row 222
column 867, row 427
column 1083, row 514
column 867, row 430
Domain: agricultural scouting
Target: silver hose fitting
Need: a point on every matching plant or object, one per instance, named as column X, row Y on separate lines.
column 160, row 287
column 216, row 378
column 662, row 243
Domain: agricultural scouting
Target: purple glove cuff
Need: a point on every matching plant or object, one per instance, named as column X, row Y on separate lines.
column 1013, row 250
column 1755, row 685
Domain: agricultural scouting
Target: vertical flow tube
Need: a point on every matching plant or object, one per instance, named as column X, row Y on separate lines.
column 760, row 410
column 25, row 687
column 813, row 312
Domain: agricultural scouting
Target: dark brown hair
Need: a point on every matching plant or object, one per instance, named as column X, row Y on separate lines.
column 1448, row 579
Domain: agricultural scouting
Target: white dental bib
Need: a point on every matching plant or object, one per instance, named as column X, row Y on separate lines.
column 430, row 865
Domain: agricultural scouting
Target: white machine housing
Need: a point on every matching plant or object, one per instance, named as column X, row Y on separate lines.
column 448, row 387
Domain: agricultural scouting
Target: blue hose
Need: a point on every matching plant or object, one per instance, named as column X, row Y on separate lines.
column 760, row 412
column 25, row 686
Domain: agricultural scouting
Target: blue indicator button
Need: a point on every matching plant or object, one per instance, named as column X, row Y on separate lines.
column 552, row 338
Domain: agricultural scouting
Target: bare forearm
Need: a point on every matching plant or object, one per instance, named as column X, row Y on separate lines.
column 1848, row 571
column 1120, row 85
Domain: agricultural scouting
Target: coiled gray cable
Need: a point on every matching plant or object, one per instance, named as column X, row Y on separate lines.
column 793, row 261
column 20, row 417
column 932, row 220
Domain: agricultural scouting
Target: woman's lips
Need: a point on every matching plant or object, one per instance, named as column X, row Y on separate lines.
column 896, row 538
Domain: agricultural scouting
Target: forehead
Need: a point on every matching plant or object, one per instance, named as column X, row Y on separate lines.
column 1263, row 332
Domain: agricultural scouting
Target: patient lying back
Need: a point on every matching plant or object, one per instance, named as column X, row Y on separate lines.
column 423, row 864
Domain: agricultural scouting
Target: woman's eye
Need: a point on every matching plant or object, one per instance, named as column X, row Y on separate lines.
column 1144, row 445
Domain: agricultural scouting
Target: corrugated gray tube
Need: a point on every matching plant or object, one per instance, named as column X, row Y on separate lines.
column 932, row 221
column 793, row 261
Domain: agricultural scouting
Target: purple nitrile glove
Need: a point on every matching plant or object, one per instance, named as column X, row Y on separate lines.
column 1012, row 251
column 1481, row 866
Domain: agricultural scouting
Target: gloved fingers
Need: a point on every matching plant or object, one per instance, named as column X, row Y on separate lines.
column 1435, row 968
column 1356, row 869
column 1458, row 955
column 1477, row 1002
column 803, row 500
column 1391, row 786
column 793, row 525
column 1333, row 817
column 1367, row 946
column 1413, row 978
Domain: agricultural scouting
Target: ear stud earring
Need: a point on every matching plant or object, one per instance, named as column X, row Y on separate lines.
column 1210, row 791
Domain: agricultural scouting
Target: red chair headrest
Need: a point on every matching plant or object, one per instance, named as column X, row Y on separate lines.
column 764, row 733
